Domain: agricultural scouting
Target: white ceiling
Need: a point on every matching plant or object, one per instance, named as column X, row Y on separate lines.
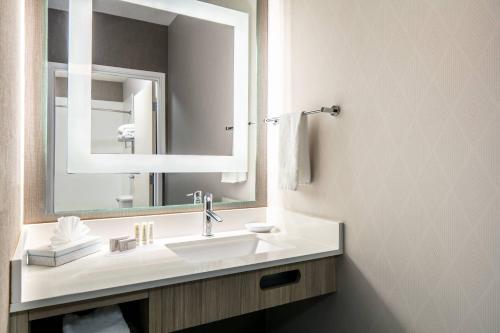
column 123, row 9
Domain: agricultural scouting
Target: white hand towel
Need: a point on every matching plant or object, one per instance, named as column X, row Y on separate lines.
column 125, row 137
column 103, row 320
column 233, row 177
column 126, row 128
column 294, row 162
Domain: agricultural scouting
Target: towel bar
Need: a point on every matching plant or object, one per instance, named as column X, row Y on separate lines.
column 332, row 111
column 230, row 128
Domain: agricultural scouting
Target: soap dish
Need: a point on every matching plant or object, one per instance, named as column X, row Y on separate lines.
column 259, row 227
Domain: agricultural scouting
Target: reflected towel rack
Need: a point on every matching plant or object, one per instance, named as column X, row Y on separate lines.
column 332, row 111
column 230, row 128
column 111, row 110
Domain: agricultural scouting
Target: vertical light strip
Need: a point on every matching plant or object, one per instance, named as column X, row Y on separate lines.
column 22, row 104
column 79, row 81
column 276, row 92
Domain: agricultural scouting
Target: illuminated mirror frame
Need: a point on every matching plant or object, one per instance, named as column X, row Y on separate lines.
column 80, row 158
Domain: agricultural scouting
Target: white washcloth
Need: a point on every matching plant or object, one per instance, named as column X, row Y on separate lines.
column 126, row 128
column 68, row 229
column 103, row 320
column 233, row 177
column 294, row 161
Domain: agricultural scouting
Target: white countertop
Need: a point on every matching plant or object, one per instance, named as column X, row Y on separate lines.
column 299, row 237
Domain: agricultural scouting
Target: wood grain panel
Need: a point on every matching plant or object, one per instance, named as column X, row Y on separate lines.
column 195, row 303
column 35, row 110
column 221, row 298
column 182, row 306
column 11, row 103
column 316, row 286
column 317, row 278
column 155, row 311
column 18, row 323
column 263, row 299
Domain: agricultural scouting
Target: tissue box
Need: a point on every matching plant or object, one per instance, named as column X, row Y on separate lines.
column 47, row 256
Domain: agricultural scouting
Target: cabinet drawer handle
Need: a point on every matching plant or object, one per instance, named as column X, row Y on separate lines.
column 279, row 279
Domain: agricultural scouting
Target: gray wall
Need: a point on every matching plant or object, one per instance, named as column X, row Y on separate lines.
column 412, row 165
column 101, row 90
column 200, row 100
column 116, row 41
column 180, row 184
column 200, row 87
column 57, row 36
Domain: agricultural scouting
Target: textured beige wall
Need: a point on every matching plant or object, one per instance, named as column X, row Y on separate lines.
column 412, row 165
column 11, row 101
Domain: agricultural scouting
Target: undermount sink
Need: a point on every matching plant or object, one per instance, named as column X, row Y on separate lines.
column 221, row 248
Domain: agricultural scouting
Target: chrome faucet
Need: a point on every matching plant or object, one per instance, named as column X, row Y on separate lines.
column 197, row 197
column 209, row 215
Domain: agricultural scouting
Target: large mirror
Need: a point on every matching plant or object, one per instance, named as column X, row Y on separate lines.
column 150, row 101
column 195, row 120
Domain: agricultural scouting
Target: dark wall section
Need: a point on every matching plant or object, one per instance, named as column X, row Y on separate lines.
column 57, row 50
column 129, row 43
column 200, row 89
column 117, row 42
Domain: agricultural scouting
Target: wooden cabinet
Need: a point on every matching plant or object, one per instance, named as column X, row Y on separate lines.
column 200, row 302
column 180, row 306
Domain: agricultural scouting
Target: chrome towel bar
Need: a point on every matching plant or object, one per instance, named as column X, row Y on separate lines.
column 332, row 111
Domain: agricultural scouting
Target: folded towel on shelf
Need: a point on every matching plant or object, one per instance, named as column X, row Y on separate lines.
column 233, row 177
column 102, row 320
column 126, row 133
column 126, row 128
column 294, row 162
column 125, row 137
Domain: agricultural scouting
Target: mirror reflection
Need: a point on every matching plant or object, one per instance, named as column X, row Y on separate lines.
column 171, row 74
column 162, row 83
column 186, row 109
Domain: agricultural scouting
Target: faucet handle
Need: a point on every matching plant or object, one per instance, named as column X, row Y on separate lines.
column 197, row 196
column 214, row 216
column 208, row 197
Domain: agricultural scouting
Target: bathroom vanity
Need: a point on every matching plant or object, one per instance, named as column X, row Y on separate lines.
column 131, row 134
column 183, row 279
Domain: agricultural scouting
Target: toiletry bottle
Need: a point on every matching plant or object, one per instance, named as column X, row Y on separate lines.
column 145, row 233
column 137, row 233
column 151, row 232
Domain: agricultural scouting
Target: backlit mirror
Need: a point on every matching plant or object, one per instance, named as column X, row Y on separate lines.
column 149, row 101
column 183, row 69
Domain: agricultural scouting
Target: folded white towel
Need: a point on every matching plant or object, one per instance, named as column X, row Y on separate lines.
column 294, row 161
column 103, row 320
column 125, row 137
column 233, row 177
column 126, row 128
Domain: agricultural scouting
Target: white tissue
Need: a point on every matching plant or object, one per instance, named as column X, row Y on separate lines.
column 68, row 229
